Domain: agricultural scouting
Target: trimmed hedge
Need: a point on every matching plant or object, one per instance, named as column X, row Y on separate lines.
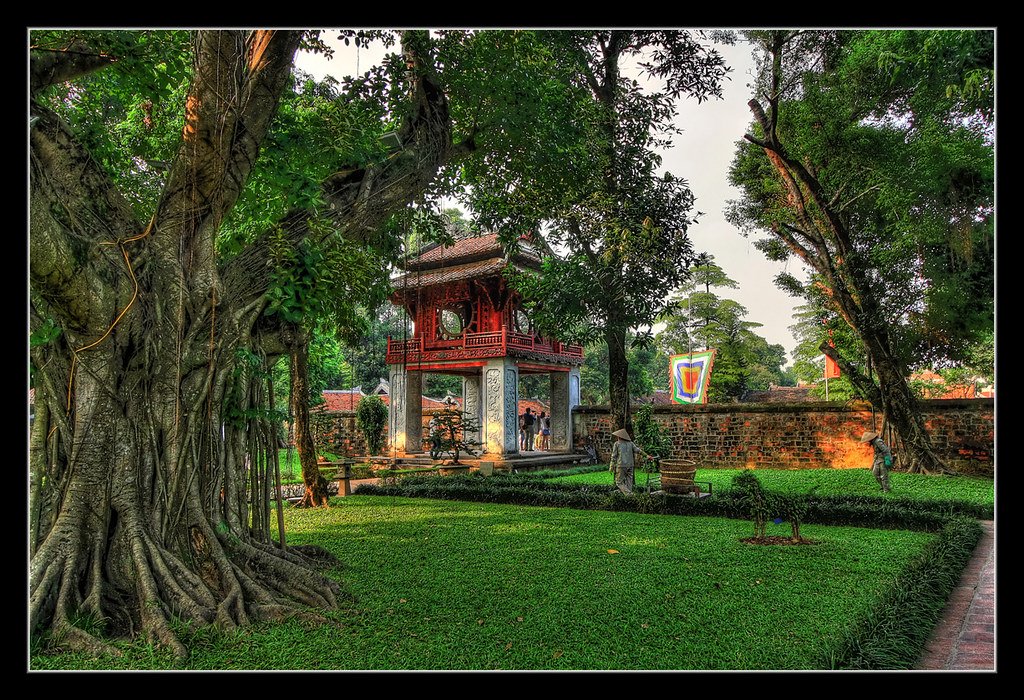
column 852, row 510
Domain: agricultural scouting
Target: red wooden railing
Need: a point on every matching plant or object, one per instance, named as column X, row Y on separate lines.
column 504, row 339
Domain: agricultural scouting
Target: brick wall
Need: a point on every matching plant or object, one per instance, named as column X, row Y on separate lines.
column 349, row 439
column 803, row 435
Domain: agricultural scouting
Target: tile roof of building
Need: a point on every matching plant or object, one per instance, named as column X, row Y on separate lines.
column 473, row 270
column 471, row 248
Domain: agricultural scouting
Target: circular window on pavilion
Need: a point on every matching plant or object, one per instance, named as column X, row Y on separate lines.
column 451, row 322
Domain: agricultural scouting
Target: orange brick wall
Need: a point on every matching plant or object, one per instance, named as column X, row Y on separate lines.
column 802, row 435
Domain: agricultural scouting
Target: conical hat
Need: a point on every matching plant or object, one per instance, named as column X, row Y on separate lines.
column 868, row 436
column 622, row 434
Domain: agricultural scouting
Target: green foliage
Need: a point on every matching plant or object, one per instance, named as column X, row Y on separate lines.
column 321, row 128
column 372, row 419
column 646, row 371
column 47, row 332
column 453, row 426
column 907, row 162
column 793, row 508
column 649, row 434
column 755, row 499
column 441, row 385
column 129, row 115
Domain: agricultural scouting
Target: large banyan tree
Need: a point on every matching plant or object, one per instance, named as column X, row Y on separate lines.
column 152, row 447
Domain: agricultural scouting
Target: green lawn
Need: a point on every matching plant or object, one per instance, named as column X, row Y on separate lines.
column 455, row 585
column 832, row 482
column 291, row 468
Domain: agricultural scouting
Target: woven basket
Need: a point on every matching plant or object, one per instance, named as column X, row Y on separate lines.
column 677, row 476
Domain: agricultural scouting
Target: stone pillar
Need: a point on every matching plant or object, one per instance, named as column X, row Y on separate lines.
column 565, row 394
column 405, row 412
column 471, row 400
column 500, row 420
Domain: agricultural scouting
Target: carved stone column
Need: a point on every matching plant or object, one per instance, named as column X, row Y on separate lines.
column 565, row 395
column 405, row 412
column 501, row 407
column 471, row 400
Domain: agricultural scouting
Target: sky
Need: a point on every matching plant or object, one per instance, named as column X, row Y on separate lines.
column 701, row 155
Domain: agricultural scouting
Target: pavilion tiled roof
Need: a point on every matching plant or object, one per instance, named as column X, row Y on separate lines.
column 444, row 275
column 472, row 248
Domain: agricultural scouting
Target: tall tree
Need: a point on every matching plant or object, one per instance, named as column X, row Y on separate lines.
column 699, row 319
column 150, row 435
column 870, row 161
column 622, row 221
column 162, row 288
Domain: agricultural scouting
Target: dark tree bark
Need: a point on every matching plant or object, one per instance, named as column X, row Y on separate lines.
column 151, row 491
column 618, row 378
column 316, row 494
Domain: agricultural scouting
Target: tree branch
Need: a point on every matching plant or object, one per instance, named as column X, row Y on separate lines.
column 75, row 210
column 233, row 99
column 50, row 66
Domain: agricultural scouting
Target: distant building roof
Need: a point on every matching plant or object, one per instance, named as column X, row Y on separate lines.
column 660, row 397
column 781, row 394
column 342, row 399
column 944, row 390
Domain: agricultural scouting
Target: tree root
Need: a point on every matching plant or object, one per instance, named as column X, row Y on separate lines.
column 54, row 594
column 252, row 581
column 311, row 500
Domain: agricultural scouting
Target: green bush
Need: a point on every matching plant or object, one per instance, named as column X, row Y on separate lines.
column 371, row 419
column 522, row 489
column 758, row 503
column 650, row 436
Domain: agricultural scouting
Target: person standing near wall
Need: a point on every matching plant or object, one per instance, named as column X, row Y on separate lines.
column 530, row 427
column 882, row 461
column 625, row 456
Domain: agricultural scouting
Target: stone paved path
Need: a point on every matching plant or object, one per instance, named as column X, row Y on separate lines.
column 964, row 639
